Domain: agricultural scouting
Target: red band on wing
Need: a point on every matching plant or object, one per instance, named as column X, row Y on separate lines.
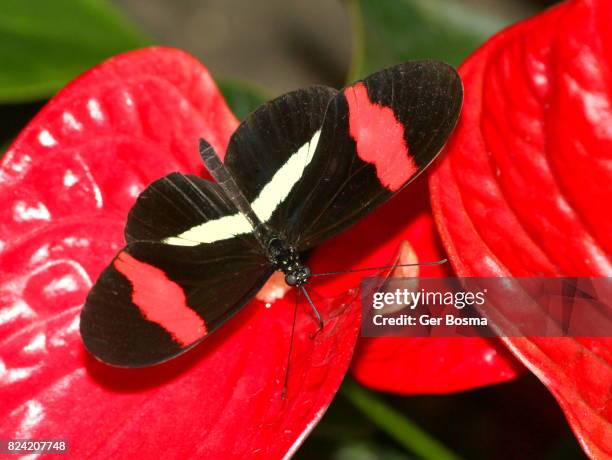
column 161, row 300
column 379, row 137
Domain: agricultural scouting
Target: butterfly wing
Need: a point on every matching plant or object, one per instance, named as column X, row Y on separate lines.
column 315, row 161
column 310, row 163
column 185, row 210
column 378, row 135
column 191, row 263
column 272, row 149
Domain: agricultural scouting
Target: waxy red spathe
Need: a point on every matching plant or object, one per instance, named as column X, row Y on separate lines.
column 108, row 134
column 524, row 189
column 70, row 178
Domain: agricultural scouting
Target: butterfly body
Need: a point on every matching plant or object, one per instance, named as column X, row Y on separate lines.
column 298, row 170
column 287, row 260
column 281, row 255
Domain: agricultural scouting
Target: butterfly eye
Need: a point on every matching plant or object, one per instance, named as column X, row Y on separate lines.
column 291, row 279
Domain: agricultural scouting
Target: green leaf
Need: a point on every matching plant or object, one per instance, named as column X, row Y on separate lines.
column 44, row 44
column 387, row 32
column 368, row 451
column 242, row 97
column 395, row 424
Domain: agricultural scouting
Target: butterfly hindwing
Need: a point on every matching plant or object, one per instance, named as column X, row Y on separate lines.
column 272, row 149
column 173, row 208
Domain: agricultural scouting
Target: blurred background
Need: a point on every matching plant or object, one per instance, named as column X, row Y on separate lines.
column 257, row 50
column 282, row 44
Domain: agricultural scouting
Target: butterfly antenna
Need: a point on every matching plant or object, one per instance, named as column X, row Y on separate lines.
column 314, row 308
column 228, row 184
column 297, row 301
column 384, row 267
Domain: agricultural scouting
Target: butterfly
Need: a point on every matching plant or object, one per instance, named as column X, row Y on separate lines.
column 298, row 170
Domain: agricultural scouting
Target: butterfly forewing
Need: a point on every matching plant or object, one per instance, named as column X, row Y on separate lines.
column 155, row 301
column 191, row 263
column 377, row 136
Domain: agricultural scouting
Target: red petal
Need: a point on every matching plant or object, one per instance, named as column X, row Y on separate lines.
column 525, row 186
column 401, row 364
column 67, row 184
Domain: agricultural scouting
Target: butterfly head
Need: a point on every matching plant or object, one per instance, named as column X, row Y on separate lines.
column 286, row 259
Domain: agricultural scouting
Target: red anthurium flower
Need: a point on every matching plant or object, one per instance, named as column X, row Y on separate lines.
column 524, row 189
column 69, row 180
column 67, row 184
column 427, row 365
column 418, row 365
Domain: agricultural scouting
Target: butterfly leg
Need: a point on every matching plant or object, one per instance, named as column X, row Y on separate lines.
column 286, row 383
column 315, row 311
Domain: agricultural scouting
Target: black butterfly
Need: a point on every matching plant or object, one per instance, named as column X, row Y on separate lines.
column 298, row 170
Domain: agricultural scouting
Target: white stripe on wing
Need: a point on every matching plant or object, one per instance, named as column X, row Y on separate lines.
column 270, row 197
